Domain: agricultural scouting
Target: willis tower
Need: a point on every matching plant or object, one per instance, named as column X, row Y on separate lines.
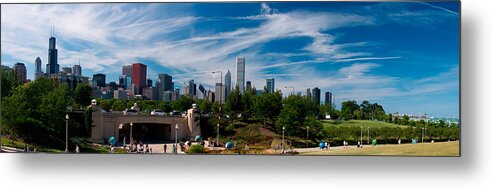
column 52, row 67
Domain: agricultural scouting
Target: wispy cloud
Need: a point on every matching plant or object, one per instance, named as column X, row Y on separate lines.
column 171, row 36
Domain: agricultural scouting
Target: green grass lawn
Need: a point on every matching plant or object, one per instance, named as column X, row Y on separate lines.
column 20, row 145
column 426, row 149
column 360, row 123
column 84, row 147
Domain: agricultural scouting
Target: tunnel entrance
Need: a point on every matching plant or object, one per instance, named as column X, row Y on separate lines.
column 146, row 132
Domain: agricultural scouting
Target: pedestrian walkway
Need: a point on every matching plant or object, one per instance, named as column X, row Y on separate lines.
column 159, row 148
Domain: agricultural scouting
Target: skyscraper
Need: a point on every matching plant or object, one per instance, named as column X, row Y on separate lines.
column 308, row 92
column 248, row 85
column 67, row 70
column 38, row 71
column 192, row 88
column 99, row 80
column 164, row 83
column 20, row 71
column 52, row 67
column 270, row 85
column 149, row 83
column 127, row 70
column 228, row 83
column 139, row 76
column 240, row 73
column 202, row 93
column 77, row 70
column 219, row 92
column 328, row 98
column 316, row 95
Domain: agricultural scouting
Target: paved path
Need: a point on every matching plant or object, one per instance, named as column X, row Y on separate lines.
column 159, row 148
column 303, row 150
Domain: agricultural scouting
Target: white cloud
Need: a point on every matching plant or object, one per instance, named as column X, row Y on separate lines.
column 112, row 35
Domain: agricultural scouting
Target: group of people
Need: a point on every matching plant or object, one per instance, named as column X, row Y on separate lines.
column 326, row 146
column 136, row 148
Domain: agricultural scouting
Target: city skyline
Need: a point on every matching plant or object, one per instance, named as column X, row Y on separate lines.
column 328, row 50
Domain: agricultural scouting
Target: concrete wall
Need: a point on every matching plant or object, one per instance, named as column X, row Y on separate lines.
column 106, row 124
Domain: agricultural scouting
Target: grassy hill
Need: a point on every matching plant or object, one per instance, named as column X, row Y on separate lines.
column 360, row 123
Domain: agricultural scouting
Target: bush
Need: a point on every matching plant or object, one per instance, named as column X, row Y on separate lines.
column 196, row 149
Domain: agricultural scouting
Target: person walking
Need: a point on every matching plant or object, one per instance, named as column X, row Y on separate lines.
column 77, row 150
column 165, row 148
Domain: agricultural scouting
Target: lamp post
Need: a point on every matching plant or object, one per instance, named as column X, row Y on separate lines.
column 360, row 136
column 291, row 87
column 220, row 102
column 176, row 139
column 131, row 134
column 423, row 128
column 218, row 125
column 66, row 133
column 283, row 135
column 368, row 137
column 307, row 135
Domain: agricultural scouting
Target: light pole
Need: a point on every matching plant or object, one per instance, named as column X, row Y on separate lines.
column 66, row 133
column 368, row 137
column 307, row 143
column 218, row 126
column 423, row 134
column 291, row 87
column 131, row 134
column 360, row 136
column 220, row 102
column 176, row 140
column 283, row 143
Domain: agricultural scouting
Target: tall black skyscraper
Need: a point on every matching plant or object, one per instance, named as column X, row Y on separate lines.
column 52, row 67
column 316, row 95
column 328, row 98
column 38, row 72
column 99, row 80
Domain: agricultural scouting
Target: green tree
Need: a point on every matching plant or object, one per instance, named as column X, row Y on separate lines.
column 348, row 109
column 183, row 103
column 8, row 82
column 204, row 105
column 296, row 111
column 83, row 94
column 267, row 107
column 234, row 104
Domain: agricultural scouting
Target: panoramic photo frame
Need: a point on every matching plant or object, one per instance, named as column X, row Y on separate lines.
column 237, row 78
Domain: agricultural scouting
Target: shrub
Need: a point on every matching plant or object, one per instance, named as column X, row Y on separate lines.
column 196, row 149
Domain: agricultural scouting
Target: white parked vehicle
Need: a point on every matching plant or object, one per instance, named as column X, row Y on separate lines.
column 130, row 112
column 157, row 113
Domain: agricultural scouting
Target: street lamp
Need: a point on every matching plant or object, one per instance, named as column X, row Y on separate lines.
column 176, row 140
column 283, row 135
column 131, row 134
column 423, row 129
column 368, row 137
column 307, row 130
column 293, row 89
column 360, row 136
column 66, row 133
column 218, row 132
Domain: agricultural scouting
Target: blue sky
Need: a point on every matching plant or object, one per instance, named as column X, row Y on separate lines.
column 404, row 56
